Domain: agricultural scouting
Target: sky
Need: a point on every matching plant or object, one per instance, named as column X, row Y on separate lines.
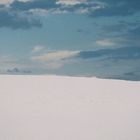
column 71, row 37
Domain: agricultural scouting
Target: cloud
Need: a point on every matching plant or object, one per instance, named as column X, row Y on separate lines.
column 71, row 2
column 105, row 42
column 15, row 20
column 6, row 1
column 128, row 38
column 14, row 70
column 55, row 59
column 105, row 63
column 34, row 4
column 120, row 63
column 54, row 56
column 18, row 71
column 131, row 75
column 37, row 49
column 24, row 14
column 13, row 65
column 124, row 53
column 6, row 62
column 83, row 7
column 121, row 32
column 117, row 8
column 53, row 6
column 10, row 1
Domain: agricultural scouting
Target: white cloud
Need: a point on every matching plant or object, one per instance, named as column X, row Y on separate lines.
column 71, row 2
column 5, row 1
column 55, row 56
column 24, row 0
column 105, row 42
column 66, row 4
column 56, row 59
column 37, row 49
column 10, row 1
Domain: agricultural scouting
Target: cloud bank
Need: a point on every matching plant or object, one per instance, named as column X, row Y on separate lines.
column 19, row 13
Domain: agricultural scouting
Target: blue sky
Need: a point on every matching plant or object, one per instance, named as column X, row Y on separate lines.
column 71, row 37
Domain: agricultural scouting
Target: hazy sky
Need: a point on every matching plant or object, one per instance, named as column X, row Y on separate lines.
column 72, row 37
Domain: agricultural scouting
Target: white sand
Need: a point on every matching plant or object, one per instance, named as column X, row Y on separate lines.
column 63, row 108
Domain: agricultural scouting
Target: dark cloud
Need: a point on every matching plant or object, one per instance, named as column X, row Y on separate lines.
column 52, row 4
column 13, row 16
column 120, row 63
column 18, row 71
column 19, row 15
column 14, row 70
column 87, row 7
column 117, row 8
column 95, row 8
column 116, row 54
column 35, row 4
column 131, row 76
column 15, row 20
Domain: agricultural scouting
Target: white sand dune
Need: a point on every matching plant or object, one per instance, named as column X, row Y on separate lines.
column 64, row 108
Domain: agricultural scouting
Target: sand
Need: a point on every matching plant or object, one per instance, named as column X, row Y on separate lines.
column 68, row 108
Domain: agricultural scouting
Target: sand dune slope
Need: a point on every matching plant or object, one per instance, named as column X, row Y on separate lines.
column 64, row 108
